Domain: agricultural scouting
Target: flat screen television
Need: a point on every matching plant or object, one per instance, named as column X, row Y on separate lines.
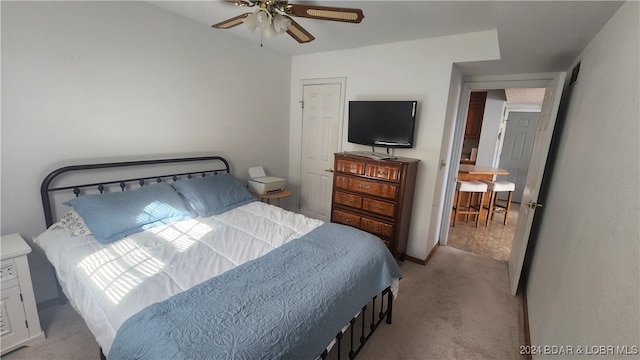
column 387, row 124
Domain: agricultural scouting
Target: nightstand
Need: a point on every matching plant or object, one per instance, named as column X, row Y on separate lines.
column 275, row 195
column 19, row 322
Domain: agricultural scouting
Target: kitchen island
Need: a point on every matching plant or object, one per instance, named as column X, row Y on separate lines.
column 476, row 172
column 479, row 173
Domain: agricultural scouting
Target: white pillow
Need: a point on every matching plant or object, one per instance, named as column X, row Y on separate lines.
column 73, row 222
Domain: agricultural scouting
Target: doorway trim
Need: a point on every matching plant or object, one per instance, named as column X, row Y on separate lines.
column 469, row 84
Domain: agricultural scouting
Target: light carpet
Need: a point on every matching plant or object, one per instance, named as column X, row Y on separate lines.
column 456, row 307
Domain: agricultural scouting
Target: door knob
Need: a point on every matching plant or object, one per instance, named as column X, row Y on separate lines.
column 329, row 170
column 533, row 205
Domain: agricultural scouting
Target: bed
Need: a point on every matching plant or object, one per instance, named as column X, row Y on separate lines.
column 174, row 258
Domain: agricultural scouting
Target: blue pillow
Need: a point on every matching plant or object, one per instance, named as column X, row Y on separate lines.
column 214, row 195
column 112, row 216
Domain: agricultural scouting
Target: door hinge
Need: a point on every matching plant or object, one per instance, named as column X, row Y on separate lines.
column 26, row 323
column 21, row 299
column 301, row 103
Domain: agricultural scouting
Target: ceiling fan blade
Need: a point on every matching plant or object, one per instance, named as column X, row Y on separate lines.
column 325, row 13
column 234, row 21
column 299, row 33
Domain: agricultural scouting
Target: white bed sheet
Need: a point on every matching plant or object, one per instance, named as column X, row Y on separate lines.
column 107, row 284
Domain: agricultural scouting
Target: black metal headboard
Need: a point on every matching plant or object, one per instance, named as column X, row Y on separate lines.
column 220, row 165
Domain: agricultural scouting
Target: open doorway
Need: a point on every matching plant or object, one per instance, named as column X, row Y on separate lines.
column 499, row 132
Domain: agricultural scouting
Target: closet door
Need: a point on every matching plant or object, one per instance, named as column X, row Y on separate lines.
column 321, row 122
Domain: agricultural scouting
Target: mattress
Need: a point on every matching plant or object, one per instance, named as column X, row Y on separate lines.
column 109, row 283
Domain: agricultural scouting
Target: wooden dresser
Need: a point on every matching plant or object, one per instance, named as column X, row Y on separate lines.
column 375, row 196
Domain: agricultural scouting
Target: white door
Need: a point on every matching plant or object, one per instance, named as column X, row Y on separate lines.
column 531, row 190
column 516, row 149
column 321, row 122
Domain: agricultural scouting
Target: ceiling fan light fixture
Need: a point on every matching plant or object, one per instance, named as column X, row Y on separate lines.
column 263, row 16
column 260, row 17
column 268, row 31
column 274, row 17
column 251, row 22
column 281, row 23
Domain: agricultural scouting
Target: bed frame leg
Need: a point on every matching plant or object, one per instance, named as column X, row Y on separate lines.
column 376, row 319
column 352, row 353
column 389, row 306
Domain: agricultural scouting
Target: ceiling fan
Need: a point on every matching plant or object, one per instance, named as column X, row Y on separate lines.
column 274, row 17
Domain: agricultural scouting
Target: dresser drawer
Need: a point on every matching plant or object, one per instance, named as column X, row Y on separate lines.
column 384, row 172
column 342, row 182
column 351, row 200
column 377, row 227
column 351, row 167
column 379, row 189
column 379, row 207
column 346, row 218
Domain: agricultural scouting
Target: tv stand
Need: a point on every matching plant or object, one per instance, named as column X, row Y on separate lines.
column 371, row 155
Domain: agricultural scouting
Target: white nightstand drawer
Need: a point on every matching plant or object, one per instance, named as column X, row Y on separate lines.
column 7, row 271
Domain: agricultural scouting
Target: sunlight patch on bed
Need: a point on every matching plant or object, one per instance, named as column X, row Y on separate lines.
column 123, row 265
column 154, row 211
column 119, row 268
column 182, row 234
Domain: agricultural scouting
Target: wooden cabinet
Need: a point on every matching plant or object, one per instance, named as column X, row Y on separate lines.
column 19, row 322
column 475, row 115
column 375, row 196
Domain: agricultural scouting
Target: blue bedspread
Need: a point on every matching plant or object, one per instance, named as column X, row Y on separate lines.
column 288, row 304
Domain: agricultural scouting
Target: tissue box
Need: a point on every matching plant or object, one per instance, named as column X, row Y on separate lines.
column 266, row 184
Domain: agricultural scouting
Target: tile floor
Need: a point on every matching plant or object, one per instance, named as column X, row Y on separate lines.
column 493, row 240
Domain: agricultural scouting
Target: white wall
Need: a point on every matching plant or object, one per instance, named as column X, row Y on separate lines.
column 111, row 80
column 583, row 285
column 413, row 70
column 491, row 121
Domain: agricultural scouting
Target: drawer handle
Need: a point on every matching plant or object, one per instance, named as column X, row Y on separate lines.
column 379, row 207
column 348, row 220
column 367, row 187
column 383, row 173
column 373, row 228
column 346, row 199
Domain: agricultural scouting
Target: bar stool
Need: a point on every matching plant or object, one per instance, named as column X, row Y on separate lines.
column 494, row 188
column 471, row 207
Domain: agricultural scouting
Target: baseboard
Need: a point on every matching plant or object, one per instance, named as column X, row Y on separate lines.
column 420, row 261
column 527, row 332
column 414, row 260
column 433, row 251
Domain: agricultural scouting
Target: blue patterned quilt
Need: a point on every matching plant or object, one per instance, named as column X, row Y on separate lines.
column 287, row 304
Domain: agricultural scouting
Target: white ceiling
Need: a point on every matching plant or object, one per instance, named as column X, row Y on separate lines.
column 534, row 36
